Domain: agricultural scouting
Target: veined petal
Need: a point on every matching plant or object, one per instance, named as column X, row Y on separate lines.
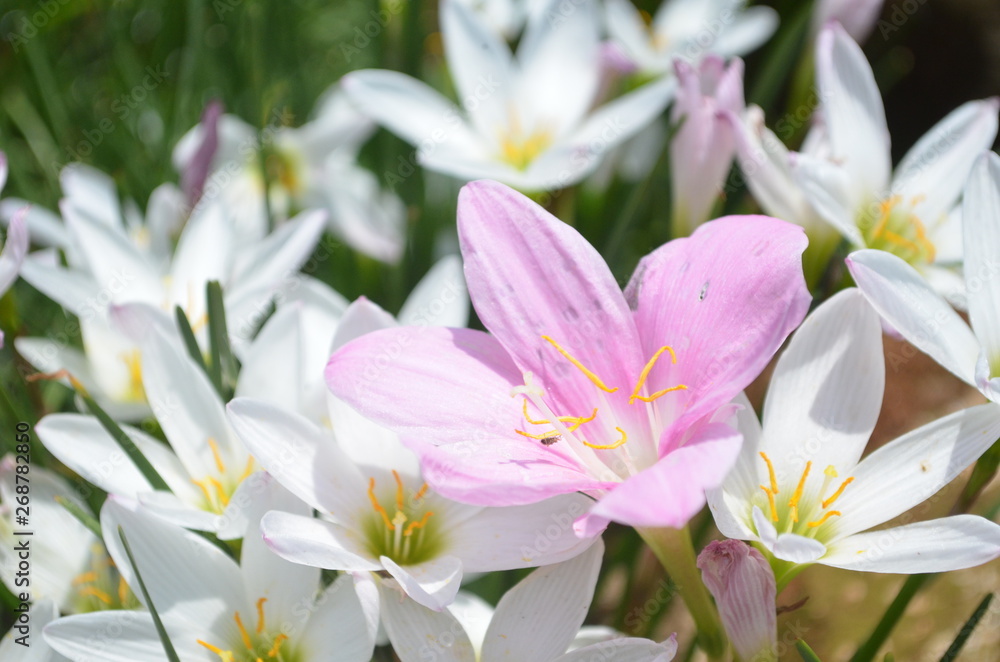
column 852, row 106
column 520, row 536
column 417, row 632
column 14, row 250
column 432, row 583
column 798, row 549
column 538, row 618
column 724, row 298
column 624, row 649
column 672, row 491
column 204, row 253
column 906, row 302
column 910, row 469
column 937, row 167
column 369, row 219
column 440, row 298
column 343, row 627
column 315, row 542
column 826, row 186
column 170, row 508
column 135, row 638
column 826, row 390
column 74, row 290
column 940, row 545
column 981, row 216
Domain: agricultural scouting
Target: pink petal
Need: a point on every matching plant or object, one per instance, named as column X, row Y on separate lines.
column 725, row 299
column 671, row 491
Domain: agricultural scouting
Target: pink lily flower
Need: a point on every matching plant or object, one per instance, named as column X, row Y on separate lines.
column 581, row 387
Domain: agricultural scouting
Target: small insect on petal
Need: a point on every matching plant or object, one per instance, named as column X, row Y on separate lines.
column 550, row 439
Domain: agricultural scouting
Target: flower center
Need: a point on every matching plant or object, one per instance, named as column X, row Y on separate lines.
column 134, row 392
column 897, row 230
column 519, row 147
column 102, row 587
column 409, row 536
column 803, row 514
column 256, row 646
column 566, row 426
column 216, row 489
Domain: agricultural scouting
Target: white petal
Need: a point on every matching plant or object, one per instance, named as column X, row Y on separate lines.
column 798, row 549
column 368, row 218
column 312, row 541
column 910, row 469
column 418, row 633
column 123, row 636
column 940, row 545
column 42, row 612
column 538, row 618
column 271, row 366
column 520, row 536
column 827, row 189
column 752, row 27
column 91, row 193
column 981, row 216
column 204, row 253
column 826, row 391
column 304, row 458
column 474, row 614
column 906, row 302
column 937, row 167
column 14, row 250
column 432, row 583
column 169, row 507
column 44, row 227
column 624, row 649
column 340, row 629
column 121, row 271
column 852, row 107
column 75, row 291
column 440, row 298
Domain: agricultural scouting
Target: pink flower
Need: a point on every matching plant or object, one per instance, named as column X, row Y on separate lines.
column 742, row 583
column 581, row 388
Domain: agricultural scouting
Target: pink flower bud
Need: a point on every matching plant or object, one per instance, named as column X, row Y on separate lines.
column 742, row 583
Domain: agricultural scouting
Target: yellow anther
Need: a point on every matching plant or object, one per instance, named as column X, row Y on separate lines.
column 378, row 507
column 204, row 489
column 575, row 421
column 399, row 490
column 85, row 578
column 646, row 370
column 133, row 361
column 607, row 447
column 595, row 380
column 650, row 398
column 418, row 525
column 827, row 515
column 97, row 593
column 830, row 471
column 840, row 490
column 399, row 519
column 260, row 614
column 244, row 635
column 420, row 493
column 770, row 503
column 247, row 470
column 220, row 490
column 280, row 639
column 770, row 472
column 530, row 435
column 227, row 656
column 219, row 464
column 793, row 503
column 900, row 241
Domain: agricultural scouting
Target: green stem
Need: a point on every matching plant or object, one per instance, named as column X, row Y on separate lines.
column 869, row 649
column 675, row 551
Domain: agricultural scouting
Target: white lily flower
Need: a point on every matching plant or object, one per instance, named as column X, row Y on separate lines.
column 380, row 515
column 906, row 212
column 284, row 364
column 212, row 608
column 798, row 487
column 688, row 30
column 68, row 564
column 922, row 317
column 204, row 465
column 537, row 620
column 528, row 121
column 110, row 265
column 311, row 166
column 25, row 645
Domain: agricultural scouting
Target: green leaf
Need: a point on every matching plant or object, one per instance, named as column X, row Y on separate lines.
column 168, row 648
column 966, row 631
column 140, row 461
column 76, row 511
column 222, row 369
column 187, row 334
column 805, row 652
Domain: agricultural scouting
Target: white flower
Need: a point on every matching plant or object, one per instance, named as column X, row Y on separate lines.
column 906, row 301
column 16, row 246
column 528, row 121
column 536, row 620
column 799, row 488
column 28, row 645
column 212, row 608
column 906, row 212
column 688, row 30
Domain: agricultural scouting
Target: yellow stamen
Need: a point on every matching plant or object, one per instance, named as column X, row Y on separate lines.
column 220, row 490
column 900, row 241
column 595, row 380
column 247, row 470
column 227, row 656
column 770, row 473
column 58, row 374
column 646, row 370
column 204, row 489
column 418, row 525
column 770, row 503
column 420, row 493
column 650, row 398
column 85, row 578
column 840, row 490
column 576, row 421
column 530, row 435
column 608, row 447
column 244, row 635
column 399, row 490
column 260, row 614
column 215, row 454
column 793, row 503
column 827, row 515
column 378, row 507
column 280, row 639
column 97, row 593
column 133, row 360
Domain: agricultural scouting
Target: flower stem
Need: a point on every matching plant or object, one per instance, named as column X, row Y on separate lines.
column 675, row 551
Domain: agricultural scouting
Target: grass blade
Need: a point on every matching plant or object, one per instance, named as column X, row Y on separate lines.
column 141, row 463
column 222, row 370
column 168, row 648
column 966, row 631
column 805, row 652
column 76, row 511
